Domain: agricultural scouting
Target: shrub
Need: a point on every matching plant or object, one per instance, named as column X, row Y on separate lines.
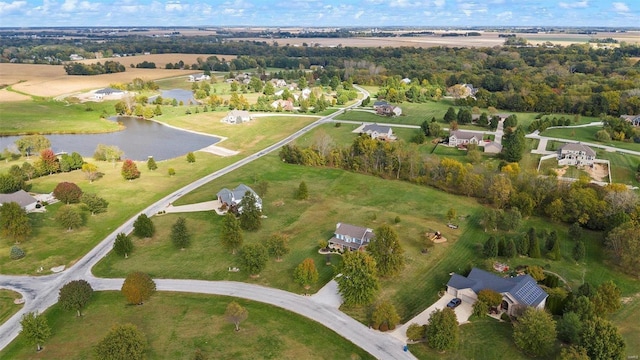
column 16, row 253
column 415, row 332
column 397, row 220
column 505, row 317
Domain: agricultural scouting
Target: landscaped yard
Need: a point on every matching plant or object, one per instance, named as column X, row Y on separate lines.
column 177, row 324
column 587, row 134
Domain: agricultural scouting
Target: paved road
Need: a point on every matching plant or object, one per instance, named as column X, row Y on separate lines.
column 536, row 135
column 42, row 292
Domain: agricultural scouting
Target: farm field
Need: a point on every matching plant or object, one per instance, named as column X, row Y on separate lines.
column 177, row 324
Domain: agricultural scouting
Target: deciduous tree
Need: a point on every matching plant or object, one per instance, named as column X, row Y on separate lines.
column 94, row 203
column 75, row 295
column 180, row 235
column 535, row 332
column 14, row 222
column 122, row 342
column 130, row 170
column 236, row 314
column 48, row 162
column 30, row 144
column 384, row 316
column 67, row 192
column 602, row 340
column 69, row 217
column 151, row 164
column 442, row 330
column 122, row 245
column 250, row 214
column 386, row 250
column 306, row 273
column 90, row 171
column 624, row 244
column 359, row 281
column 35, row 328
column 607, row 299
column 277, row 245
column 254, row 258
column 138, row 287
column 191, row 158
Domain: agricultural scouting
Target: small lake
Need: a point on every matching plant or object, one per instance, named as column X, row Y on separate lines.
column 185, row 96
column 139, row 140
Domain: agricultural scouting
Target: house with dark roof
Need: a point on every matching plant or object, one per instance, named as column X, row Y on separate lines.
column 516, row 291
column 576, row 154
column 388, row 110
column 232, row 198
column 350, row 237
column 379, row 103
column 100, row 94
column 380, row 132
column 26, row 201
column 633, row 119
column 463, row 138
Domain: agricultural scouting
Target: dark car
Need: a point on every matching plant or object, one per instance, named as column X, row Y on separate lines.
column 454, row 303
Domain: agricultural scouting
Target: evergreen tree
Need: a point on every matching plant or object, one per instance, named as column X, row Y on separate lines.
column 513, row 145
column 250, row 214
column 303, row 192
column 306, row 273
column 231, row 233
column 122, row 245
column 450, row 115
column 151, row 164
column 579, row 251
column 143, row 227
column 191, row 158
column 510, row 248
column 180, row 235
column 534, row 246
column 490, row 248
column 254, row 258
column 522, row 245
column 554, row 253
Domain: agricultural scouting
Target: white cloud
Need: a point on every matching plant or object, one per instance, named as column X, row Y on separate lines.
column 574, row 5
column 505, row 15
column 6, row 8
column 620, row 7
column 438, row 3
column 69, row 5
column 174, row 6
column 358, row 14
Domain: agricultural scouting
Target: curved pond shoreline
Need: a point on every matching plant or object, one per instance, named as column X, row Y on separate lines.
column 139, row 139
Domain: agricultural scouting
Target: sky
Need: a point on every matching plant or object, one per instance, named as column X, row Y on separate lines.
column 320, row 13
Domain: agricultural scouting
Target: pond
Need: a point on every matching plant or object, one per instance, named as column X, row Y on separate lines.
column 186, row 96
column 140, row 139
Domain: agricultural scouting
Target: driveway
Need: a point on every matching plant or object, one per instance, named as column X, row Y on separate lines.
column 463, row 312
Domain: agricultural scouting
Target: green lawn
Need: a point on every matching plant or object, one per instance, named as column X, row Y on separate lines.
column 7, row 307
column 482, row 339
column 587, row 134
column 55, row 117
column 177, row 324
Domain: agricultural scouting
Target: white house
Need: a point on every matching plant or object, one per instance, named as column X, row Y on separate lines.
column 463, row 138
column 199, row 77
column 237, row 117
column 232, row 198
column 378, row 132
column 26, row 201
column 576, row 154
column 350, row 237
column 516, row 291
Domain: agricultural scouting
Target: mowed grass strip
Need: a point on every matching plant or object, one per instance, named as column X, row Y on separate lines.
column 177, row 324
column 588, row 134
column 7, row 307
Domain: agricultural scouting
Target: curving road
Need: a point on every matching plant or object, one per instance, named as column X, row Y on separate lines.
column 42, row 292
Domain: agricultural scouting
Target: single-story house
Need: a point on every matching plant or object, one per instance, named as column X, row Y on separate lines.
column 379, row 104
column 26, row 201
column 100, row 94
column 388, row 110
column 520, row 290
column 492, row 147
column 461, row 138
column 350, row 237
column 199, row 77
column 237, row 117
column 633, row 119
column 576, row 154
column 286, row 105
column 232, row 198
column 378, row 132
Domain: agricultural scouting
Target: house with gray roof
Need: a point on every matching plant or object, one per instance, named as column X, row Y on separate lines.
column 350, row 237
column 26, row 201
column 237, row 117
column 463, row 138
column 380, row 132
column 232, row 198
column 199, row 77
column 633, row 119
column 516, row 291
column 576, row 154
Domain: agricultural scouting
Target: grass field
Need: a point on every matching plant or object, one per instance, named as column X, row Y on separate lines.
column 587, row 134
column 50, row 117
column 176, row 325
column 7, row 307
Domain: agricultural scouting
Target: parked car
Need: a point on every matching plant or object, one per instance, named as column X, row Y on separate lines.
column 454, row 303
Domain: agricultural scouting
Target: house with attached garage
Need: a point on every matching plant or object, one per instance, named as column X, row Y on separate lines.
column 388, row 110
column 519, row 291
column 22, row 198
column 230, row 199
column 199, row 77
column 237, row 117
column 350, row 237
column 463, row 138
column 379, row 132
column 633, row 119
